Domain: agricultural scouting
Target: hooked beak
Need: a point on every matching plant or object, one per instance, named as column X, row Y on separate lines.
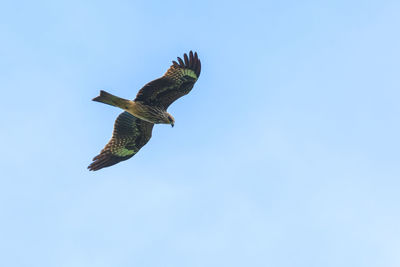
column 172, row 125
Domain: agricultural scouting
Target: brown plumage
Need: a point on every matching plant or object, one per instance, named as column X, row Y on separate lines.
column 133, row 128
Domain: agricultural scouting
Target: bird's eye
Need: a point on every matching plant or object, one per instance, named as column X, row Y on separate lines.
column 170, row 119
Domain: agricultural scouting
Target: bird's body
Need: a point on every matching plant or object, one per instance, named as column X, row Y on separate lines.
column 133, row 128
column 152, row 114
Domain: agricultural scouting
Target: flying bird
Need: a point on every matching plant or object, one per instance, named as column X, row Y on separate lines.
column 134, row 126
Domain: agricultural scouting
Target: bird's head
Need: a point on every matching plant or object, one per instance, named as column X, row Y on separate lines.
column 169, row 119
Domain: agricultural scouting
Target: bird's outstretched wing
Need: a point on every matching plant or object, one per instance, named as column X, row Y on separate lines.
column 129, row 136
column 176, row 82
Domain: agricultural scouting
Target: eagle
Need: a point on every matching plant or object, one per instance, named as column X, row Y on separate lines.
column 133, row 127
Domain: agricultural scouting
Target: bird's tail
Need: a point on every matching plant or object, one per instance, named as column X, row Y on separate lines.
column 112, row 100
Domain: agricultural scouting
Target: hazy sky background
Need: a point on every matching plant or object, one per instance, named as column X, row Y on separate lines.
column 285, row 153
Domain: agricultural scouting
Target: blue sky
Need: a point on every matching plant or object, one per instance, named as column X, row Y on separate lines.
column 285, row 153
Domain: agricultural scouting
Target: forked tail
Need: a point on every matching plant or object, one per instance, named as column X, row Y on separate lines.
column 112, row 100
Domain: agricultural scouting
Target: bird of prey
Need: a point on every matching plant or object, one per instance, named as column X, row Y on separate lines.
column 133, row 127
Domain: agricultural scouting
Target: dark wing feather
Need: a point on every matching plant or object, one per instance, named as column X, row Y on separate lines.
column 129, row 136
column 176, row 82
